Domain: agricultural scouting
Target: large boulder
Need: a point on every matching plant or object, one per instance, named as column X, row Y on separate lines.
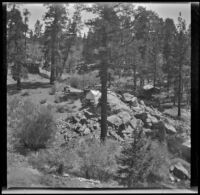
column 143, row 116
column 180, row 171
column 133, row 122
column 115, row 105
column 127, row 97
column 86, row 131
column 169, row 128
column 114, row 120
column 132, row 100
column 186, row 150
column 153, row 119
column 125, row 117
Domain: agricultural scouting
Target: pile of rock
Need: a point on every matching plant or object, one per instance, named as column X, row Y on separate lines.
column 178, row 172
column 125, row 114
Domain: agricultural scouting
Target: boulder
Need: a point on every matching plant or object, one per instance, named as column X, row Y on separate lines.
column 142, row 103
column 148, row 109
column 137, row 109
column 127, row 97
column 115, row 135
column 143, row 116
column 96, row 126
column 125, row 116
column 153, row 119
column 133, row 122
column 82, row 128
column 88, row 114
column 86, row 131
column 148, row 132
column 115, row 105
column 169, row 128
column 130, row 99
column 186, row 150
column 148, row 120
column 180, row 172
column 114, row 120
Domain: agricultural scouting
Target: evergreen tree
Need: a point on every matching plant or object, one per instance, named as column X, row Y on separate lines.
column 38, row 29
column 55, row 20
column 135, row 163
column 15, row 44
column 104, row 30
column 181, row 51
column 26, row 14
column 169, row 30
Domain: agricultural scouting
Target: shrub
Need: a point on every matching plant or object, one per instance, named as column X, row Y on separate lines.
column 174, row 144
column 97, row 160
column 43, row 101
column 53, row 90
column 45, row 159
column 75, row 81
column 86, row 158
column 33, row 128
column 137, row 161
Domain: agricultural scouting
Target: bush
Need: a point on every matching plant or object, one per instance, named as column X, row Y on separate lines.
column 138, row 160
column 97, row 160
column 53, row 90
column 33, row 127
column 43, row 101
column 45, row 159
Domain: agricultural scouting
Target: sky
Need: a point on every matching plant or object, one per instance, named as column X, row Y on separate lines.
column 164, row 10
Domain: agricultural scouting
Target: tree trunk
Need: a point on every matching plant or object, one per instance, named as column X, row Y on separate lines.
column 168, row 84
column 52, row 76
column 104, row 102
column 134, row 78
column 179, row 89
column 18, row 83
column 154, row 73
column 175, row 93
column 104, row 90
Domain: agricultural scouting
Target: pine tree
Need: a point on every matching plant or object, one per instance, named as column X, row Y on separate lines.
column 26, row 14
column 169, row 30
column 55, row 20
column 15, row 44
column 181, row 57
column 135, row 163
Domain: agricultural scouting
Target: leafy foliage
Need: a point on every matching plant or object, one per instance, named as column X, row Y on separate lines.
column 134, row 162
column 32, row 127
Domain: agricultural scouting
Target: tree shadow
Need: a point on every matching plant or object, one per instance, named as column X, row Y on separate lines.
column 12, row 88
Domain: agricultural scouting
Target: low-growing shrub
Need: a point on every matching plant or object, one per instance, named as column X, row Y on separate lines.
column 31, row 127
column 98, row 160
column 53, row 89
column 45, row 159
column 43, row 101
column 138, row 160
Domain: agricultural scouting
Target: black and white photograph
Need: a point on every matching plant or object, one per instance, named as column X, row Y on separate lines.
column 98, row 95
